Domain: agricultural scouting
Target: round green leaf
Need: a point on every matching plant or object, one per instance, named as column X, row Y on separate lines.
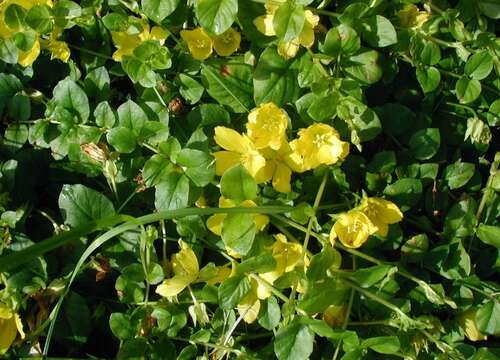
column 479, row 65
column 157, row 10
column 428, row 78
column 467, row 90
column 122, row 139
column 288, row 21
column 425, row 143
column 238, row 185
column 216, row 15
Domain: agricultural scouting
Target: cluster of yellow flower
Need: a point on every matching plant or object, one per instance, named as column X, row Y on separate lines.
column 287, row 49
column 372, row 216
column 266, row 153
column 186, row 271
column 201, row 45
column 126, row 43
column 58, row 49
column 10, row 325
column 410, row 16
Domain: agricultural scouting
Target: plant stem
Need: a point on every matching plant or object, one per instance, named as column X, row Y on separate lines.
column 210, row 345
column 348, row 311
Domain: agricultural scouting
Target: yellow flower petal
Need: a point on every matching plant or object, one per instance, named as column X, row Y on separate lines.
column 199, row 43
column 158, row 33
column 225, row 160
column 249, row 306
column 267, row 125
column 227, row 43
column 26, row 58
column 282, row 177
column 381, row 212
column 266, row 173
column 264, row 24
column 231, row 140
column 288, row 49
column 10, row 325
column 214, row 223
column 353, row 228
column 186, row 269
column 59, row 50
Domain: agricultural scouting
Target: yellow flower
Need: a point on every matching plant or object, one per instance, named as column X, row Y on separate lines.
column 287, row 255
column 199, row 43
column 126, row 43
column 267, row 125
column 186, row 269
column 278, row 168
column 58, row 49
column 288, row 49
column 239, row 150
column 249, row 306
column 227, row 43
column 319, row 144
column 352, row 228
column 306, row 38
column 381, row 213
column 411, row 16
column 214, row 222
column 10, row 325
column 467, row 321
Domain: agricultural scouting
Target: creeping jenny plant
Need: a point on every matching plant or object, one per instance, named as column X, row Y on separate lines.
column 249, row 179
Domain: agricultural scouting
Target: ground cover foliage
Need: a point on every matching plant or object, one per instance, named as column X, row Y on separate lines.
column 249, row 179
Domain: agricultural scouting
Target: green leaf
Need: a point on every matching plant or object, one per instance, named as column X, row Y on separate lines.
column 461, row 219
column 199, row 166
column 275, row 78
column 288, row 21
column 8, row 51
column 379, row 32
column 190, row 89
column 260, row 264
column 121, row 326
column 350, row 42
column 216, row 15
column 104, row 115
column 458, row 174
column 70, row 96
column 157, row 10
column 319, row 296
column 294, row 342
column 425, row 143
column 156, row 169
column 489, row 234
column 369, row 276
column 238, row 232
column 405, row 192
column 382, row 344
column 122, row 139
column 479, row 65
column 25, row 40
column 428, row 77
column 230, row 83
column 270, row 313
column 74, row 324
column 488, row 318
column 14, row 16
column 332, row 45
column 490, row 8
column 173, row 192
column 428, row 52
column 365, row 66
column 40, row 19
column 15, row 136
column 65, row 12
column 238, row 185
column 80, row 205
column 232, row 291
column 467, row 90
column 131, row 116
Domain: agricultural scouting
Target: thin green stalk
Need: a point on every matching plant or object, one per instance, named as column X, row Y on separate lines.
column 348, row 312
column 127, row 200
column 210, row 345
column 90, row 52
